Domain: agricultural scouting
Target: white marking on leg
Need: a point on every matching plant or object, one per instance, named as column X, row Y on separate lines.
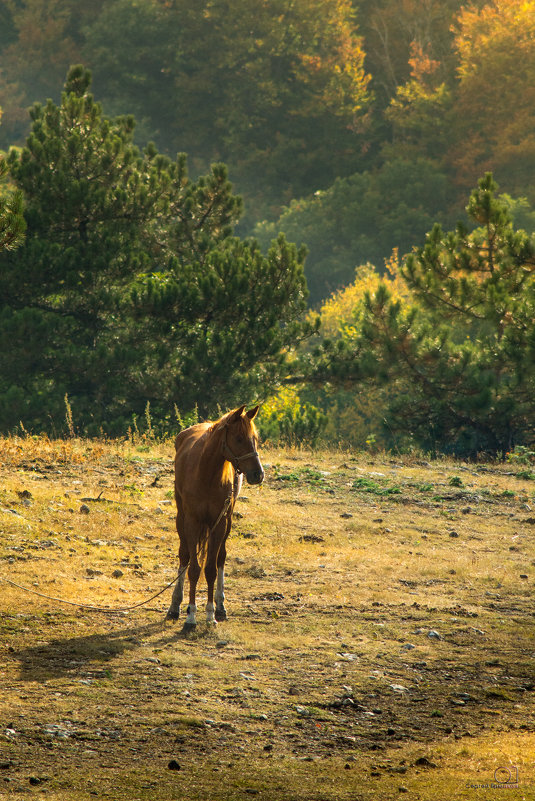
column 210, row 613
column 219, row 594
column 191, row 619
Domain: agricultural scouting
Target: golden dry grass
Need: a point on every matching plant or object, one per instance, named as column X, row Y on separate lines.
column 323, row 684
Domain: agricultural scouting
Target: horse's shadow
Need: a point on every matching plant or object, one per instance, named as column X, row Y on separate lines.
column 89, row 655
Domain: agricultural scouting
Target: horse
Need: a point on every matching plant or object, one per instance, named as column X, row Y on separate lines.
column 210, row 459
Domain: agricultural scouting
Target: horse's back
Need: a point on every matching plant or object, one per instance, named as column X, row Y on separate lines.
column 186, row 439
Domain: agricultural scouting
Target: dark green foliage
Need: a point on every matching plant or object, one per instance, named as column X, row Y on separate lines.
column 461, row 358
column 367, row 485
column 273, row 89
column 12, row 223
column 130, row 287
column 361, row 219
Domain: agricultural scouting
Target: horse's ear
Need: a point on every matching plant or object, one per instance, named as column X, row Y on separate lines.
column 236, row 414
column 251, row 414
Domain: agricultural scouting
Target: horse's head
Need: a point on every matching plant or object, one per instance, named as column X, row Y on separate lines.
column 240, row 444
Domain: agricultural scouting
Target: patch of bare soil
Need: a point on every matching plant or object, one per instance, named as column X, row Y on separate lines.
column 380, row 633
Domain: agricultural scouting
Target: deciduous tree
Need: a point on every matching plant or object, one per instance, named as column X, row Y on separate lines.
column 494, row 123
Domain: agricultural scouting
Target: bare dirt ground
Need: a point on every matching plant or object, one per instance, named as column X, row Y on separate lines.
column 380, row 640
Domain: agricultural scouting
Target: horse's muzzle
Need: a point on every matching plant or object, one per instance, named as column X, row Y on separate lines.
column 255, row 476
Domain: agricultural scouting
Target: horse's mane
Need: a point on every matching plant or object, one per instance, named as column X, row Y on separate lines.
column 247, row 424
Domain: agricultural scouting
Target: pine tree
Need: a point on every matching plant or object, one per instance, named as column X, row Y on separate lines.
column 12, row 223
column 460, row 359
column 130, row 286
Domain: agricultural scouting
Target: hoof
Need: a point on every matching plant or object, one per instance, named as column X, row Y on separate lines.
column 172, row 614
column 220, row 615
column 187, row 627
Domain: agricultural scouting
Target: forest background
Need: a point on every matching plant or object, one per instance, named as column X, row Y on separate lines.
column 144, row 292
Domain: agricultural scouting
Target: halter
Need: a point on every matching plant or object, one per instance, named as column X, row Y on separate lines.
column 235, row 460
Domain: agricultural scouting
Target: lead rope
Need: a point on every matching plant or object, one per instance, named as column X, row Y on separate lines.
column 123, row 609
column 107, row 610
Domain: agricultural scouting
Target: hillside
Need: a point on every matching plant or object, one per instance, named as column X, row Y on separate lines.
column 379, row 640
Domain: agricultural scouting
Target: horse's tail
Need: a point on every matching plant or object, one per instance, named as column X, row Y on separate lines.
column 202, row 546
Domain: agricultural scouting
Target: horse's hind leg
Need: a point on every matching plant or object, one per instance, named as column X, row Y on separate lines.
column 178, row 592
column 194, row 571
column 183, row 559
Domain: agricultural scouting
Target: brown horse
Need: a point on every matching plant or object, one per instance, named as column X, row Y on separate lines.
column 209, row 462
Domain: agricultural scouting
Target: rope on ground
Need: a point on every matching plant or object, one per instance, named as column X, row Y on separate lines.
column 118, row 610
column 107, row 610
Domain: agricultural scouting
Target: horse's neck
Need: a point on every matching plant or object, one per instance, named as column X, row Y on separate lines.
column 213, row 462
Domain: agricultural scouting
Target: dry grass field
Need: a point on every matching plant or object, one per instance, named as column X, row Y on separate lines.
column 380, row 640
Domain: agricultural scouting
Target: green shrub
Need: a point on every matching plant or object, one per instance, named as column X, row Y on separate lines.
column 284, row 420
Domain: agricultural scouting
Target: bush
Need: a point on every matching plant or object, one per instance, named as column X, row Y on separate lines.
column 284, row 420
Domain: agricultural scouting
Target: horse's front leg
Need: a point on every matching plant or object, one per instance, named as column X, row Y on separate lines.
column 194, row 571
column 191, row 533
column 212, row 571
column 220, row 611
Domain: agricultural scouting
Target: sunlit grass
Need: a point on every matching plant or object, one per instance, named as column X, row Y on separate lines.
column 327, row 585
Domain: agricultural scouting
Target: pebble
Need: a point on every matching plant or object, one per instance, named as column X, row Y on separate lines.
column 433, row 635
column 84, row 509
column 117, row 574
column 408, row 646
column 173, row 765
column 425, row 762
column 346, row 515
